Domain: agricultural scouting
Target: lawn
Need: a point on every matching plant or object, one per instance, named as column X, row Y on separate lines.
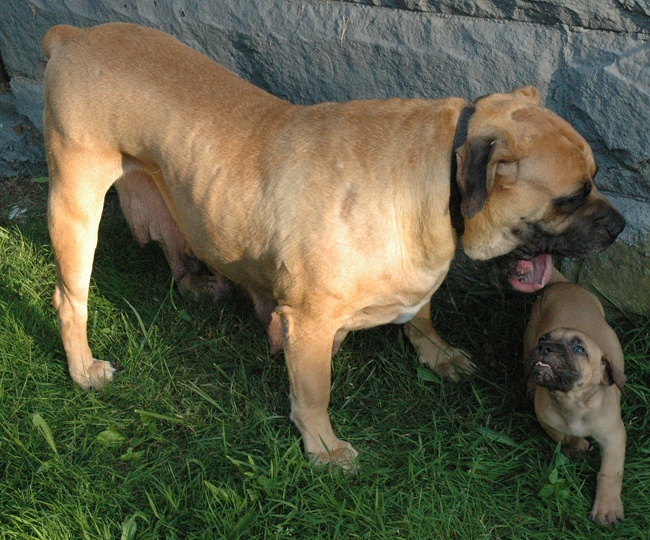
column 192, row 439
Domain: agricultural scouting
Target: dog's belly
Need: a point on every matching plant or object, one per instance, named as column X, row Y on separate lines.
column 399, row 312
column 408, row 313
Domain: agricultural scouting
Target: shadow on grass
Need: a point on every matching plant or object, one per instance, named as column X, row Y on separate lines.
column 470, row 447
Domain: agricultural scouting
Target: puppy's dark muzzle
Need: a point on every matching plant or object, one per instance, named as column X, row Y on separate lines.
column 551, row 365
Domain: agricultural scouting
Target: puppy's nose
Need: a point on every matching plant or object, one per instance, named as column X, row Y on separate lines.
column 544, row 346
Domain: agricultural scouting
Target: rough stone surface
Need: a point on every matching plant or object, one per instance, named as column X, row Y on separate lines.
column 21, row 145
column 590, row 60
column 631, row 16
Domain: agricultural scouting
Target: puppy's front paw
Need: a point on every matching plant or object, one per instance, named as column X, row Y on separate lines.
column 96, row 376
column 341, row 455
column 607, row 510
column 573, row 446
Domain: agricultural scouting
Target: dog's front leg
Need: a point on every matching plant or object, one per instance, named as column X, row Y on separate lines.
column 434, row 351
column 608, row 506
column 307, row 346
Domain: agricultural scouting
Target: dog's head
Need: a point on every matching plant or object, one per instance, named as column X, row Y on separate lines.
column 526, row 179
column 566, row 359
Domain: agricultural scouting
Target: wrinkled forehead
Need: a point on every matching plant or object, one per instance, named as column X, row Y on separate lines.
column 559, row 153
column 568, row 336
column 571, row 337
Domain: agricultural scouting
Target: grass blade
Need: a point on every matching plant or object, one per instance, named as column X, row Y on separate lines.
column 40, row 424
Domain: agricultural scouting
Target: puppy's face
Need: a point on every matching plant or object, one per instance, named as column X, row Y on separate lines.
column 527, row 184
column 566, row 360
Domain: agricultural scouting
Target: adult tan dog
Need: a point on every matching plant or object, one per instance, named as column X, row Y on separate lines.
column 334, row 217
column 574, row 363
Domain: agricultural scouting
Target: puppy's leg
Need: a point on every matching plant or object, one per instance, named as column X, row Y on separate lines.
column 571, row 445
column 608, row 506
column 308, row 349
column 79, row 180
column 433, row 351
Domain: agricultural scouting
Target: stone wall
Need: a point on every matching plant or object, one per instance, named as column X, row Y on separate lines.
column 590, row 60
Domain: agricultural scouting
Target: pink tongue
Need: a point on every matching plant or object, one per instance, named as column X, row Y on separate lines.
column 532, row 275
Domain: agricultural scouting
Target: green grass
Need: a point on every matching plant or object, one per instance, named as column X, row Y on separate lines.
column 193, row 440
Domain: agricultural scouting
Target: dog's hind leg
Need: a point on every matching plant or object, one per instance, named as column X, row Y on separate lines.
column 434, row 351
column 79, row 180
column 149, row 219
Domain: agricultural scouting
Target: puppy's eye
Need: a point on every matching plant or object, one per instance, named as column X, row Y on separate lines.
column 578, row 349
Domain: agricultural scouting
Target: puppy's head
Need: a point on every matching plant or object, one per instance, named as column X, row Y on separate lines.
column 527, row 184
column 566, row 359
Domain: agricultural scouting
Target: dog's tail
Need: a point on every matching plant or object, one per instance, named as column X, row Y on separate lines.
column 58, row 35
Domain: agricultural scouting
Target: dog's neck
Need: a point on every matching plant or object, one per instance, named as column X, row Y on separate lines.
column 455, row 196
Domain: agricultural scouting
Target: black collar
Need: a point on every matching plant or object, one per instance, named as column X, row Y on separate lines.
column 455, row 196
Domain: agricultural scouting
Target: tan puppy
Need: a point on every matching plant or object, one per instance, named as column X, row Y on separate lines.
column 574, row 363
column 334, row 217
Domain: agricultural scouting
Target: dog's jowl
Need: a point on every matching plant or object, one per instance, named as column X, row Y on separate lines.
column 328, row 226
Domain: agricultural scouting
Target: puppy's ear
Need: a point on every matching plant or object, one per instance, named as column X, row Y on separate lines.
column 613, row 375
column 481, row 161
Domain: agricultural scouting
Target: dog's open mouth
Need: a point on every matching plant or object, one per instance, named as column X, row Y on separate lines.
column 530, row 275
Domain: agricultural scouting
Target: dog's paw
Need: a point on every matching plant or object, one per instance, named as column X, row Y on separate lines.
column 435, row 353
column 607, row 511
column 574, row 446
column 450, row 362
column 341, row 456
column 96, row 376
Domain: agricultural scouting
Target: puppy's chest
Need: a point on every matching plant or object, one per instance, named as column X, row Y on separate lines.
column 575, row 418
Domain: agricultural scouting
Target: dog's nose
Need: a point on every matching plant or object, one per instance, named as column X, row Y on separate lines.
column 612, row 221
column 544, row 346
column 616, row 225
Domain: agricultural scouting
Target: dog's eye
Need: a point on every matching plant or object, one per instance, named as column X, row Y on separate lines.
column 578, row 349
column 570, row 203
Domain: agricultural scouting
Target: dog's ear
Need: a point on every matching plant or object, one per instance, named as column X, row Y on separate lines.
column 482, row 161
column 527, row 93
column 612, row 375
